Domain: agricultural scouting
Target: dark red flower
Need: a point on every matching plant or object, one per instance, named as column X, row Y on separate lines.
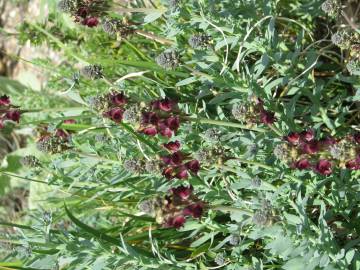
column 308, row 135
column 193, row 165
column 177, row 158
column 165, row 105
column 182, row 192
column 168, row 172
column 172, row 146
column 311, row 147
column 115, row 114
column 293, row 138
column 166, row 132
column 356, row 137
column 61, row 133
column 13, row 115
column 327, row 141
column 175, row 222
column 82, row 12
column 90, row 21
column 195, row 210
column 352, row 164
column 267, row 117
column 150, row 131
column 150, row 118
column 4, row 100
column 182, row 172
column 70, row 121
column 323, row 167
column 302, row 164
column 173, row 122
column 118, row 99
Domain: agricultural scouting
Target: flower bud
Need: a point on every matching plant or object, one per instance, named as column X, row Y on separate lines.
column 323, row 167
column 4, row 100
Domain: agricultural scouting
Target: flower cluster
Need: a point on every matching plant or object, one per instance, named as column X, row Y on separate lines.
column 8, row 112
column 253, row 112
column 173, row 210
column 331, row 7
column 304, row 152
column 178, row 164
column 86, row 12
column 57, row 141
column 162, row 118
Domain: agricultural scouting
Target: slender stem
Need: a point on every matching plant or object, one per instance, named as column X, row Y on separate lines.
column 224, row 208
column 276, row 130
column 154, row 37
column 223, row 123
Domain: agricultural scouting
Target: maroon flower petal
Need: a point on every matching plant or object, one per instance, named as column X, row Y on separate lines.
column 90, row 22
column 308, row 135
column 311, row 147
column 118, row 99
column 70, row 121
column 150, row 118
column 4, row 100
column 115, row 114
column 168, row 172
column 172, row 146
column 173, row 123
column 267, row 117
column 182, row 173
column 194, row 210
column 13, row 115
column 302, row 164
column 150, row 131
column 323, row 167
column 182, row 192
column 356, row 137
column 166, row 132
column 176, row 222
column 293, row 138
column 193, row 165
column 352, row 165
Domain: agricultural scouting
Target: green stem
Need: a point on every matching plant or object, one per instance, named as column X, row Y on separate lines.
column 223, row 123
column 224, row 208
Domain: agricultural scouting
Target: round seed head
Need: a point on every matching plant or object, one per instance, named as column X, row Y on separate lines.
column 260, row 218
column 256, row 182
column 147, row 207
column 133, row 166
column 30, row 161
column 152, row 166
column 168, row 59
column 132, row 115
column 67, row 6
column 341, row 39
column 51, row 144
column 219, row 259
column 199, row 41
column 212, row 134
column 239, row 112
column 234, row 240
column 93, row 72
column 47, row 217
column 331, row 7
column 353, row 66
column 204, row 156
column 281, row 151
